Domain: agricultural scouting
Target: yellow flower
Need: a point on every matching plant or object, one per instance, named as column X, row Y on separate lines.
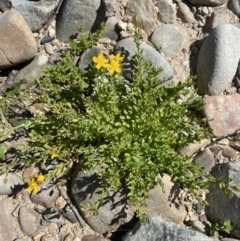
column 117, row 57
column 40, row 178
column 34, row 182
column 53, row 153
column 100, row 61
column 114, row 66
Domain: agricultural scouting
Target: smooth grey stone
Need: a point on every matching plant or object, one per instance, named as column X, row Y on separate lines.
column 86, row 59
column 167, row 11
column 32, row 71
column 221, row 207
column 156, row 229
column 218, row 60
column 205, row 159
column 185, row 13
column 29, row 222
column 169, row 38
column 35, row 13
column 213, row 3
column 73, row 14
column 45, row 198
column 45, row 223
column 48, row 48
column 10, row 184
column 8, row 223
column 128, row 49
column 234, row 6
column 199, row 226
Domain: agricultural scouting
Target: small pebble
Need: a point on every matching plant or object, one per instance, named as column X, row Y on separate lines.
column 48, row 48
column 51, row 215
column 51, row 32
column 46, row 39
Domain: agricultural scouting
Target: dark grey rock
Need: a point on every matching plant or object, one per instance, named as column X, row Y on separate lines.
column 167, row 11
column 86, row 59
column 169, row 38
column 35, row 13
column 111, row 215
column 218, row 59
column 198, row 207
column 111, row 31
column 17, row 42
column 46, row 39
column 73, row 13
column 10, row 184
column 156, row 229
column 208, row 2
column 28, row 221
column 45, row 198
column 205, row 159
column 234, row 6
column 11, row 152
column 51, row 215
column 115, row 211
column 128, row 49
column 143, row 13
column 221, row 207
column 68, row 213
column 8, row 223
column 5, row 5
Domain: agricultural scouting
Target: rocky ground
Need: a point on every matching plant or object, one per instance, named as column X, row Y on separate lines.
column 195, row 37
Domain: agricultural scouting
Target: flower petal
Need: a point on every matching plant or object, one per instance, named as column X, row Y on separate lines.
column 29, row 189
column 40, row 178
column 35, row 188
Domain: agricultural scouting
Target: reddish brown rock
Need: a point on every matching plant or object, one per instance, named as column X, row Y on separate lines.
column 223, row 113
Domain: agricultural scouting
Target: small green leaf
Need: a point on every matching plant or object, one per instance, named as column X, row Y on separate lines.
column 3, row 149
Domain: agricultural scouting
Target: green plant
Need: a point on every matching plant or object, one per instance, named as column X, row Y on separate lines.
column 85, row 41
column 226, row 227
column 134, row 130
